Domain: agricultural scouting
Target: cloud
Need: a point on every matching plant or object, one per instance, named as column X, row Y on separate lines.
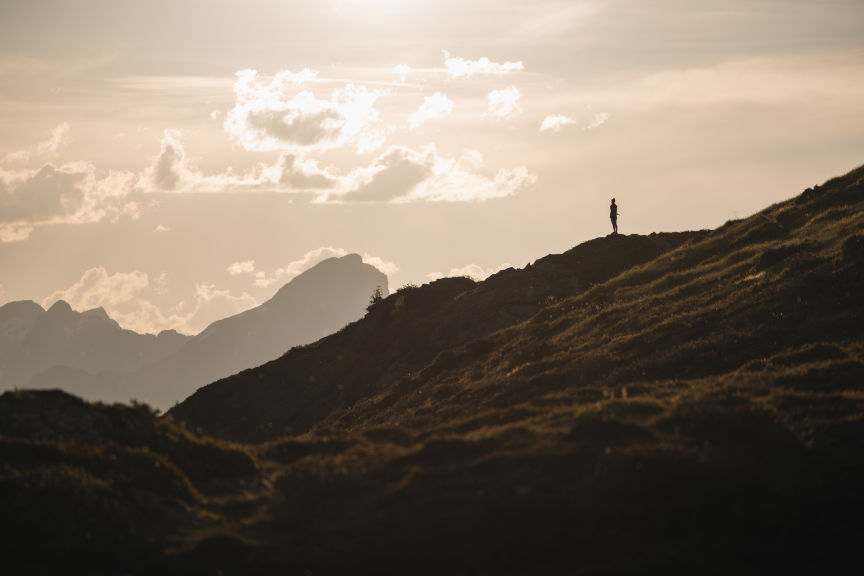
column 245, row 267
column 99, row 288
column 161, row 228
column 299, row 173
column 464, row 68
column 401, row 71
column 127, row 297
column 313, row 257
column 72, row 193
column 394, row 174
column 48, row 148
column 274, row 116
column 597, row 120
column 473, row 271
column 386, row 266
column 402, row 174
column 438, row 104
column 399, row 174
column 556, row 122
column 10, row 233
column 170, row 170
column 504, row 103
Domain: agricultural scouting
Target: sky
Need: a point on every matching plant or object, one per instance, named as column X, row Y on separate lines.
column 176, row 162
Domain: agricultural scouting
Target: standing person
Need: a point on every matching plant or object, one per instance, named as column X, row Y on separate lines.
column 613, row 215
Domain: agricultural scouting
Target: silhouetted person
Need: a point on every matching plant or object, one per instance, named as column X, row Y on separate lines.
column 613, row 215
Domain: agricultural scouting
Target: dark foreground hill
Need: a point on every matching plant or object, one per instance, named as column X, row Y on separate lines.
column 318, row 302
column 698, row 410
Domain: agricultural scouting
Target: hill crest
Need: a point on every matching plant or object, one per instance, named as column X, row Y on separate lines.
column 448, row 332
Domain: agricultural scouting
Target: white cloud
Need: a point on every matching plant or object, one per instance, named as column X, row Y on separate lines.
column 12, row 233
column 504, row 103
column 399, row 174
column 300, row 173
column 72, row 193
column 99, row 288
column 386, row 266
column 170, row 171
column 438, row 104
column 274, row 116
column 127, row 297
column 402, row 174
column 161, row 228
column 597, row 120
column 473, row 271
column 464, row 68
column 245, row 267
column 207, row 292
column 48, row 148
column 556, row 122
column 393, row 174
column 401, row 71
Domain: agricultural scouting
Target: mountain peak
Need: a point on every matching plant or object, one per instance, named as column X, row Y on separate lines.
column 97, row 313
column 60, row 307
column 20, row 307
column 333, row 272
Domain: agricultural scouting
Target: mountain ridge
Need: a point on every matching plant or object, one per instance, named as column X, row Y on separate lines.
column 33, row 339
column 505, row 298
column 311, row 305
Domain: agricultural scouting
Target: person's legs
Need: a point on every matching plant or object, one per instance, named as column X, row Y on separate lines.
column 614, row 225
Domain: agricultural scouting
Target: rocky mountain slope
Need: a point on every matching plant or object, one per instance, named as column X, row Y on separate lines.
column 697, row 409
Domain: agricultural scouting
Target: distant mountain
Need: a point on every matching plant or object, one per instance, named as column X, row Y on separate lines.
column 316, row 303
column 33, row 340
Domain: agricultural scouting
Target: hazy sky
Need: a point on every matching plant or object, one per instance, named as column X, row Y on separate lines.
column 178, row 161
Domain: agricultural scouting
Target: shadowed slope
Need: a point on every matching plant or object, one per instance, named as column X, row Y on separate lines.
column 402, row 335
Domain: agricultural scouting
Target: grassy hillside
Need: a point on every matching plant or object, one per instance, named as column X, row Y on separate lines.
column 405, row 337
column 670, row 404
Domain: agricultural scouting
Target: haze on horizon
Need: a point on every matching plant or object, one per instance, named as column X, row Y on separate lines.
column 177, row 162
